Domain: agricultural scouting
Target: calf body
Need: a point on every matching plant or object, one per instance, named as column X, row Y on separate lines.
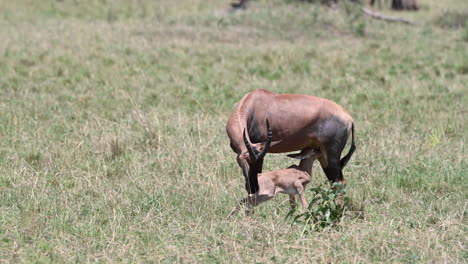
column 291, row 181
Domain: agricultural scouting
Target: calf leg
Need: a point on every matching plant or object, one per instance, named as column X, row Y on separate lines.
column 251, row 201
column 255, row 200
column 300, row 191
column 292, row 201
column 238, row 207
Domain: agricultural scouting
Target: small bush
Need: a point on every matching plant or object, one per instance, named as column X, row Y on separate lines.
column 325, row 209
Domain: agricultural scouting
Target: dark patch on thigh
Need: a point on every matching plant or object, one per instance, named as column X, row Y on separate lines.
column 333, row 134
column 334, row 173
column 331, row 130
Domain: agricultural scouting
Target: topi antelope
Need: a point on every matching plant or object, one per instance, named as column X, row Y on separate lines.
column 291, row 181
column 298, row 122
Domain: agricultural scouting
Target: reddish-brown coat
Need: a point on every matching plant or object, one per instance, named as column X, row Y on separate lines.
column 297, row 121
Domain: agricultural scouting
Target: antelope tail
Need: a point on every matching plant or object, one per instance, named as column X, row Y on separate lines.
column 346, row 158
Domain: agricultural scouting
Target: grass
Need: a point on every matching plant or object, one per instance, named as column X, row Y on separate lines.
column 114, row 148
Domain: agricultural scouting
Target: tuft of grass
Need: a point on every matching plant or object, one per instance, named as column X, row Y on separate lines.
column 33, row 158
column 453, row 19
column 116, row 148
column 465, row 32
column 355, row 18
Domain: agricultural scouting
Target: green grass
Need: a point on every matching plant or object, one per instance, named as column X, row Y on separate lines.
column 113, row 144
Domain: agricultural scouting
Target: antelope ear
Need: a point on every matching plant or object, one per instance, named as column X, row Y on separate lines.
column 305, row 154
column 298, row 156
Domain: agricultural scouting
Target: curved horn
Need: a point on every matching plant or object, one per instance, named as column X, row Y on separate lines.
column 252, row 154
column 268, row 142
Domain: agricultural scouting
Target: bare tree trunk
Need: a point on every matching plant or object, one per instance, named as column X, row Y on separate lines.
column 404, row 5
column 241, row 5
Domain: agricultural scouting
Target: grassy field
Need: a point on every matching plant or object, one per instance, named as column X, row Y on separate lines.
column 113, row 144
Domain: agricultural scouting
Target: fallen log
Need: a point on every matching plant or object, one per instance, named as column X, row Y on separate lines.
column 385, row 17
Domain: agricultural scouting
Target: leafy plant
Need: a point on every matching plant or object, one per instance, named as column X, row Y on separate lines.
column 325, row 209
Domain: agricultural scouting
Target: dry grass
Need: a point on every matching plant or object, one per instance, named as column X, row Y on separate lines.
column 113, row 145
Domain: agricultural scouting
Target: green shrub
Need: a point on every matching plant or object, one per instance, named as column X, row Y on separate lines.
column 325, row 209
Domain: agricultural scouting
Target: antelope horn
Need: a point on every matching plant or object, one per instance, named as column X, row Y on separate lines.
column 252, row 154
column 267, row 143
